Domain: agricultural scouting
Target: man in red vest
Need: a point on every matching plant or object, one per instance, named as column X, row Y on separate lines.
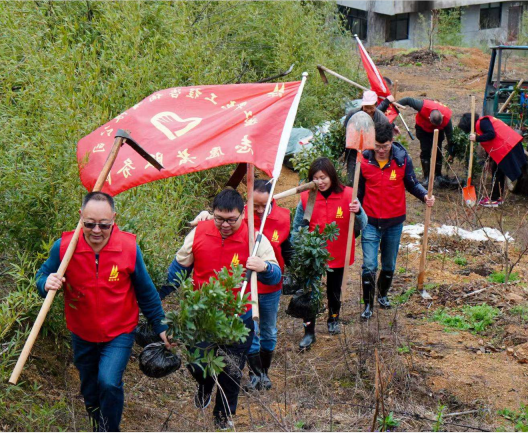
column 432, row 115
column 211, row 246
column 505, row 150
column 106, row 281
column 386, row 173
column 277, row 230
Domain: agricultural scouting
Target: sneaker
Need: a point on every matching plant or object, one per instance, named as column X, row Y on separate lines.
column 487, row 202
column 202, row 399
column 223, row 423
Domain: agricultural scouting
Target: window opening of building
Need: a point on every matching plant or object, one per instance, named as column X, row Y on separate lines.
column 398, row 28
column 490, row 16
column 355, row 20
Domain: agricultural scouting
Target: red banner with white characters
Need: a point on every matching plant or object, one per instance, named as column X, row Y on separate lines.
column 189, row 129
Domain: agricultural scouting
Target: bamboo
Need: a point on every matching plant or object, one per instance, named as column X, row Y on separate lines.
column 62, row 269
column 423, row 257
column 512, row 94
column 251, row 230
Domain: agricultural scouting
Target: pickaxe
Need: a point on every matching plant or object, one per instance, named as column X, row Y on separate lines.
column 121, row 138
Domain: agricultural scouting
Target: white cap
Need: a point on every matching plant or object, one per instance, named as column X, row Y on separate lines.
column 369, row 98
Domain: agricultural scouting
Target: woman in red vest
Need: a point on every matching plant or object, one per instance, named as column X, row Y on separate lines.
column 505, row 150
column 332, row 204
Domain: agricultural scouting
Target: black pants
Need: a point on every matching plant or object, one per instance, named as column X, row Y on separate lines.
column 426, row 147
column 229, row 379
column 497, row 182
column 334, row 279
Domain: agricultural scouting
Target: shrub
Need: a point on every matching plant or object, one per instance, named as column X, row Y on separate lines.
column 473, row 318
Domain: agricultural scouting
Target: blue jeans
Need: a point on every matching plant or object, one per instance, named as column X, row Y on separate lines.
column 371, row 240
column 229, row 379
column 101, row 367
column 268, row 309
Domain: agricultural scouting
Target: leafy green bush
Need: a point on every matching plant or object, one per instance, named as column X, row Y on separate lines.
column 210, row 314
column 460, row 260
column 310, row 260
column 520, row 418
column 473, row 318
column 450, row 27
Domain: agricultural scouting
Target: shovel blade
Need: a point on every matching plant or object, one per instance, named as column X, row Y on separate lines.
column 360, row 133
column 470, row 196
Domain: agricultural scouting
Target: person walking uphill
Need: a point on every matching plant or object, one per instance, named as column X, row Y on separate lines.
column 431, row 115
column 504, row 147
column 332, row 204
column 277, row 230
column 386, row 172
column 106, row 281
column 211, row 246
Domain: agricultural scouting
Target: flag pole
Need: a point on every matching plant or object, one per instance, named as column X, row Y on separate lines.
column 283, row 143
column 251, row 231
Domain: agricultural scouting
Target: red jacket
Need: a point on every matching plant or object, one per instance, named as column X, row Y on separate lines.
column 277, row 230
column 505, row 139
column 99, row 299
column 384, row 196
column 422, row 117
column 212, row 253
column 335, row 208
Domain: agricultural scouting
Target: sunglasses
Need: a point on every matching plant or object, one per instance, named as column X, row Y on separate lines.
column 102, row 226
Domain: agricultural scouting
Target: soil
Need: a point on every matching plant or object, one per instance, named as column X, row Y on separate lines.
column 424, row 366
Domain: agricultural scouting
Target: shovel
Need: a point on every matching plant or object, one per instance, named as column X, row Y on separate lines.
column 360, row 136
column 423, row 257
column 470, row 196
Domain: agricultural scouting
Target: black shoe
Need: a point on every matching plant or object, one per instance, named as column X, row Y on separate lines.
column 265, row 359
column 255, row 373
column 426, row 168
column 202, row 398
column 367, row 314
column 334, row 327
column 223, row 423
column 368, row 281
column 384, row 284
column 309, row 335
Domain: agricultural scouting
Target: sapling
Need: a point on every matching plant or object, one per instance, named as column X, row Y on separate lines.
column 210, row 314
column 310, row 260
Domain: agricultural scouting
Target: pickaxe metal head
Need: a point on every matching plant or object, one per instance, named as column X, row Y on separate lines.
column 134, row 145
column 360, row 132
column 322, row 74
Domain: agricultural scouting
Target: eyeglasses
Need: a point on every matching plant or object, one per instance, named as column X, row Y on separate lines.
column 386, row 147
column 102, row 226
column 231, row 221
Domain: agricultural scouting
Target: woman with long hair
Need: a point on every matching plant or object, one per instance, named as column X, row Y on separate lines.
column 332, row 204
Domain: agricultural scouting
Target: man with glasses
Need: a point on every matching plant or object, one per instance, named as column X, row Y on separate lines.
column 211, row 246
column 386, row 172
column 105, row 282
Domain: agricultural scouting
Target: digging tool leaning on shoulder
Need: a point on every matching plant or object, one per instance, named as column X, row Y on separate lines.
column 120, row 138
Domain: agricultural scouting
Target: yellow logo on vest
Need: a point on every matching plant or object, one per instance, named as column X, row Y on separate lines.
column 114, row 275
column 275, row 237
column 235, row 260
column 393, row 175
column 339, row 213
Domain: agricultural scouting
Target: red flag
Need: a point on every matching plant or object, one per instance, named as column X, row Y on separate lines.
column 189, row 129
column 377, row 83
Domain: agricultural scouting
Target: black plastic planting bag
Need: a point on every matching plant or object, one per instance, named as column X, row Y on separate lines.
column 289, row 285
column 157, row 361
column 145, row 335
column 302, row 306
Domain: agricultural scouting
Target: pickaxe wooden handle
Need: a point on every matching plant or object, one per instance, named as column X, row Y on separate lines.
column 118, row 142
column 296, row 190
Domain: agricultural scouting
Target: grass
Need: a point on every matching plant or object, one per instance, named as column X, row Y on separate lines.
column 521, row 311
column 518, row 418
column 403, row 349
column 500, row 277
column 460, row 260
column 404, row 297
column 471, row 318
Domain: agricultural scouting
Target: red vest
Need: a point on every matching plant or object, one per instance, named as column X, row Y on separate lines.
column 276, row 230
column 212, row 253
column 99, row 300
column 422, row 117
column 335, row 208
column 505, row 139
column 384, row 189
